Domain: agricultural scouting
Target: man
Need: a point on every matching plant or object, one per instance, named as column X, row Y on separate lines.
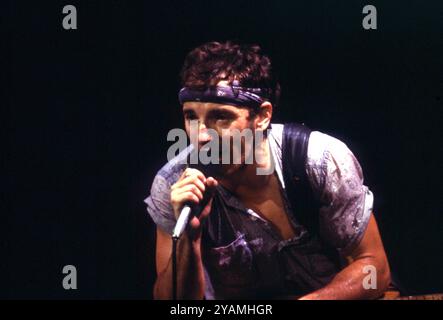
column 251, row 237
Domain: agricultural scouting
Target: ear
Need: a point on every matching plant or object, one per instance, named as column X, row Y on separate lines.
column 264, row 116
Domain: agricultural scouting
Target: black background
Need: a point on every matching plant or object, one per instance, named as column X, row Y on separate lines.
column 87, row 112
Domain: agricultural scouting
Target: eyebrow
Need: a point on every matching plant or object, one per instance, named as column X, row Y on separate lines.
column 222, row 111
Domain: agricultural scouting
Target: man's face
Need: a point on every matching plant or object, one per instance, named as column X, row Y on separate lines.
column 225, row 120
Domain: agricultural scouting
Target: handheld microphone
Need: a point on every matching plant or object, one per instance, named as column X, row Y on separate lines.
column 182, row 221
column 187, row 210
column 184, row 217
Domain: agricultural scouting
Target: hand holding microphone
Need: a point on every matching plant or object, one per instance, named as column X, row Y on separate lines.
column 191, row 198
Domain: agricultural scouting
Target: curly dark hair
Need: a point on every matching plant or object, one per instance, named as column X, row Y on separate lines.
column 212, row 62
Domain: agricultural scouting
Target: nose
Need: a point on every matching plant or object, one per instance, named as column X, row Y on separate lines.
column 203, row 135
column 198, row 133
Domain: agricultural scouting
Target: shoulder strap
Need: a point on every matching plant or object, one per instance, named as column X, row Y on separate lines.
column 298, row 189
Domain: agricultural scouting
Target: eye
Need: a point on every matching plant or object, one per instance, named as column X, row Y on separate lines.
column 190, row 115
column 223, row 115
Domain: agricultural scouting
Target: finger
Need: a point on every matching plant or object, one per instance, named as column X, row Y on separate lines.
column 194, row 223
column 190, row 196
column 190, row 188
column 192, row 172
column 188, row 180
column 211, row 183
column 181, row 198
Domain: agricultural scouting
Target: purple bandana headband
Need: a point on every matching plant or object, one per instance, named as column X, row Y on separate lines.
column 232, row 95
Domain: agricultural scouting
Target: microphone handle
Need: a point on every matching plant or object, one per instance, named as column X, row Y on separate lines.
column 182, row 222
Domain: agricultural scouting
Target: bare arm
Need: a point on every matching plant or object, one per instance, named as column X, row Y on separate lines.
column 190, row 276
column 348, row 284
column 190, row 273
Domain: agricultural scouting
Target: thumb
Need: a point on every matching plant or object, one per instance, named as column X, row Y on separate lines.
column 206, row 210
column 211, row 185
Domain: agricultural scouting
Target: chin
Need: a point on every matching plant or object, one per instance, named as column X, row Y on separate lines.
column 230, row 170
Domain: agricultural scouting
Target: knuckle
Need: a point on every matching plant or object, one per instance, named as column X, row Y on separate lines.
column 190, row 197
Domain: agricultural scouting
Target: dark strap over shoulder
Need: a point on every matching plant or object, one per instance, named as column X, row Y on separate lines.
column 294, row 154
